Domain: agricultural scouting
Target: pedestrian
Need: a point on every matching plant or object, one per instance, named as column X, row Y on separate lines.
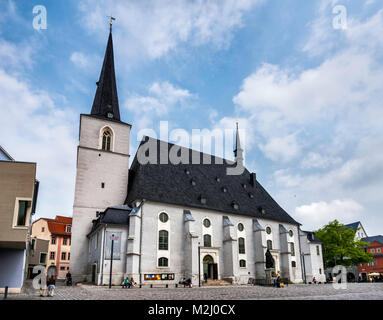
column 133, row 284
column 51, row 286
column 314, row 280
column 43, row 288
column 278, row 281
column 68, row 278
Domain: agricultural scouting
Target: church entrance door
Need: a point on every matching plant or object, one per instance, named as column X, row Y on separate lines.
column 94, row 271
column 210, row 269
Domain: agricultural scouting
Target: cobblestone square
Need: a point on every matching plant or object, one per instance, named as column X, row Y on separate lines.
column 354, row 291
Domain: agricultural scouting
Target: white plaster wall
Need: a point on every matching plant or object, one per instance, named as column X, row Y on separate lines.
column 177, row 240
column 95, row 166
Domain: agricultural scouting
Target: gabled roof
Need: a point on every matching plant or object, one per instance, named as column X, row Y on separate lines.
column 353, row 225
column 201, row 185
column 4, row 155
column 372, row 239
column 106, row 98
column 117, row 215
column 58, row 225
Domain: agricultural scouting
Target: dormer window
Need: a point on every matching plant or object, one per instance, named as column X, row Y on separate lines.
column 202, row 199
column 107, row 137
column 235, row 205
column 68, row 229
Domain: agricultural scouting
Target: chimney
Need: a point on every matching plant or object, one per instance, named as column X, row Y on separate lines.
column 253, row 178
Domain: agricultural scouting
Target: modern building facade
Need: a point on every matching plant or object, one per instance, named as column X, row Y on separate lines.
column 18, row 197
column 37, row 255
column 169, row 221
column 58, row 232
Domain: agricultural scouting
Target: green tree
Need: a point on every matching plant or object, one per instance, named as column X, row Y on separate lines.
column 340, row 247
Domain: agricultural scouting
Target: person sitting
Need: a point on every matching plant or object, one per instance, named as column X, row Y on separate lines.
column 188, row 282
column 126, row 283
column 314, row 280
column 132, row 283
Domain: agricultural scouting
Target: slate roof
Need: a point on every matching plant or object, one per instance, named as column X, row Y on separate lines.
column 312, row 237
column 106, row 98
column 372, row 239
column 117, row 215
column 353, row 225
column 189, row 184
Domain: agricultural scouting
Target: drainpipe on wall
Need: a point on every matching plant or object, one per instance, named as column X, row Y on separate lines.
column 142, row 216
column 303, row 267
column 103, row 256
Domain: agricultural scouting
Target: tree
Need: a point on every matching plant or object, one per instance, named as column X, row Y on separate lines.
column 340, row 247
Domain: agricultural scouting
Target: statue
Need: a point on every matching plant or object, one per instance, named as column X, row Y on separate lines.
column 269, row 260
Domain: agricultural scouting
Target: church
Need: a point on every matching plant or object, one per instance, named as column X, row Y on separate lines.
column 160, row 222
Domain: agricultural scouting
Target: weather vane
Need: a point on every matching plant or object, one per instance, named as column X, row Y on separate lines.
column 111, row 22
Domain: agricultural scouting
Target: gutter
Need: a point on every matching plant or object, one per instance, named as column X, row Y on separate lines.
column 142, row 221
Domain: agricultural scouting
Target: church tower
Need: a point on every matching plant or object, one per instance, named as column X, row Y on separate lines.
column 102, row 164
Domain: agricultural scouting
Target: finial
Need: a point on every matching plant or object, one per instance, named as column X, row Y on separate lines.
column 111, row 22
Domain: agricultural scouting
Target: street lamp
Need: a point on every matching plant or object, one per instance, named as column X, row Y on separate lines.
column 199, row 264
column 112, row 237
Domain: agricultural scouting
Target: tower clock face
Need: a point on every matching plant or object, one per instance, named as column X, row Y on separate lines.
column 110, row 115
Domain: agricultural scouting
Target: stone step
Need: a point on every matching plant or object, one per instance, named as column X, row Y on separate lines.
column 210, row 283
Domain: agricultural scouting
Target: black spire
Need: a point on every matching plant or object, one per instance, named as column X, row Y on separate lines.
column 105, row 102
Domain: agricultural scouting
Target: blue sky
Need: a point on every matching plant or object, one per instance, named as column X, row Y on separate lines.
column 307, row 96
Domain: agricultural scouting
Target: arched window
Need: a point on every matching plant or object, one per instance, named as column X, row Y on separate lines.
column 292, row 249
column 163, row 240
column 163, row 262
column 269, row 244
column 207, row 240
column 242, row 263
column 107, row 139
column 241, row 245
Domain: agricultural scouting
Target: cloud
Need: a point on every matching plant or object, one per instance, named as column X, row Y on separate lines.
column 154, row 28
column 79, row 59
column 161, row 99
column 35, row 129
column 316, row 160
column 282, row 149
column 318, row 214
column 15, row 56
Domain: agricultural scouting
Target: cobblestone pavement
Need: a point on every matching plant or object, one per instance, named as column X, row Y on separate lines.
column 359, row 291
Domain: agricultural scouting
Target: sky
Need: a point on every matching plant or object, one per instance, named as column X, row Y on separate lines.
column 303, row 78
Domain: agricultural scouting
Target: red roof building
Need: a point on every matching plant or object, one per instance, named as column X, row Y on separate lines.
column 374, row 269
column 58, row 231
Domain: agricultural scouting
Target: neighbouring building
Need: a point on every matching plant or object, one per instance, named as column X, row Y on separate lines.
column 374, row 268
column 18, row 196
column 169, row 221
column 37, row 255
column 358, row 228
column 312, row 257
column 58, row 232
column 352, row 272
